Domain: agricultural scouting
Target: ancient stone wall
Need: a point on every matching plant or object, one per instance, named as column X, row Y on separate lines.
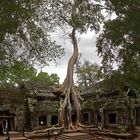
column 12, row 108
column 111, row 110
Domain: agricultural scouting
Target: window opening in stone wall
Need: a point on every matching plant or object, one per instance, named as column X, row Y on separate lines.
column 112, row 118
column 92, row 117
column 138, row 116
column 54, row 119
column 9, row 117
column 42, row 120
column 99, row 118
column 40, row 98
column 85, row 117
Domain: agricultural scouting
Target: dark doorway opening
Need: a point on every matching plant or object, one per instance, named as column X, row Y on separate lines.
column 98, row 118
column 85, row 117
column 92, row 117
column 112, row 118
column 6, row 116
column 138, row 116
column 54, row 119
column 9, row 122
column 74, row 117
column 42, row 120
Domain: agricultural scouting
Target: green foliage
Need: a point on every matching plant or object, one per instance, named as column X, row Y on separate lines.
column 54, row 78
column 44, row 79
column 13, row 75
column 79, row 14
column 14, row 14
column 22, row 36
column 87, row 75
column 120, row 40
column 112, row 81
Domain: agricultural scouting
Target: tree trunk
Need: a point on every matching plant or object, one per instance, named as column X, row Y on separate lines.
column 69, row 92
column 71, row 96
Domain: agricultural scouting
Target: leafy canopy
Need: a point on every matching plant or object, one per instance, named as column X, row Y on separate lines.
column 87, row 74
column 120, row 40
column 22, row 36
column 44, row 79
column 78, row 14
column 20, row 71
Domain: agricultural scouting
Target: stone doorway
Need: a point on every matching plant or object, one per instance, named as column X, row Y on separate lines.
column 54, row 119
column 42, row 120
column 86, row 117
column 112, row 118
column 99, row 118
column 138, row 116
column 9, row 117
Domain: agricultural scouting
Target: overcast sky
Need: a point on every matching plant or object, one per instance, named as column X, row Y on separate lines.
column 87, row 48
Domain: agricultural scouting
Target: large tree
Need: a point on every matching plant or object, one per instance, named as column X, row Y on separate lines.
column 119, row 42
column 77, row 16
column 22, row 34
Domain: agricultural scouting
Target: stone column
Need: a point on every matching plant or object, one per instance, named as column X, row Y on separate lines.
column 49, row 120
column 102, row 117
column 89, row 117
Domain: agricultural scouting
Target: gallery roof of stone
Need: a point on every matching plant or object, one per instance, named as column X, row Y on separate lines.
column 109, row 99
column 11, row 93
column 101, row 94
column 37, row 90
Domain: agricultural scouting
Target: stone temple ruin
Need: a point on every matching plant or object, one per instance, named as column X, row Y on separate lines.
column 32, row 107
column 112, row 109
